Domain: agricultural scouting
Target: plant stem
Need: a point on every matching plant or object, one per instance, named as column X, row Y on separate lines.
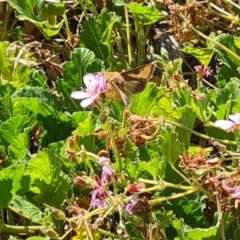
column 69, row 34
column 114, row 146
column 175, row 196
column 232, row 54
column 130, row 58
column 202, row 135
column 83, row 8
column 180, row 174
column 120, row 49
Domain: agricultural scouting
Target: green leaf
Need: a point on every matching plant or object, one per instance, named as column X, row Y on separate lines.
column 57, row 9
column 6, row 66
column 90, row 36
column 228, row 41
column 154, row 167
column 188, row 117
column 34, row 213
column 145, row 15
column 46, row 179
column 109, row 19
column 5, row 189
column 19, row 148
column 37, row 79
column 6, row 106
column 229, row 93
column 204, row 233
column 43, row 95
column 55, row 129
column 120, row 3
column 11, row 128
column 82, row 62
column 231, row 64
column 143, row 103
column 10, row 183
column 203, row 55
column 223, row 110
column 38, row 108
column 169, row 144
column 25, row 11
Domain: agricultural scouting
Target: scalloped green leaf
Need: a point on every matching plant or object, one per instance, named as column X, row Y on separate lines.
column 90, row 36
column 170, row 145
column 203, row 55
column 231, row 64
column 143, row 103
column 203, row 233
column 145, row 15
column 188, row 118
column 43, row 95
column 6, row 106
column 6, row 68
column 55, row 129
column 47, row 181
column 38, row 79
column 11, row 128
column 19, row 147
column 10, row 183
column 33, row 212
column 5, row 189
column 24, row 11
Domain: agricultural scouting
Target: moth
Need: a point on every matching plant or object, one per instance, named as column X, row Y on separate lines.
column 120, row 85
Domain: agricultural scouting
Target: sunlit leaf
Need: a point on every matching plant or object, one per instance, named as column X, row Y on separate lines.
column 25, row 11
column 169, row 144
column 33, row 212
column 10, row 183
column 144, row 15
column 143, row 103
column 188, row 118
column 12, row 127
column 46, row 179
column 231, row 63
column 19, row 147
column 203, row 55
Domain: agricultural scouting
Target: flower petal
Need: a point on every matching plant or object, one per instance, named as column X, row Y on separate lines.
column 235, row 118
column 86, row 102
column 225, row 125
column 80, row 95
column 90, row 81
column 101, row 82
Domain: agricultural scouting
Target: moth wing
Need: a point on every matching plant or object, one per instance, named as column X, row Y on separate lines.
column 124, row 97
column 134, row 87
column 136, row 79
column 142, row 73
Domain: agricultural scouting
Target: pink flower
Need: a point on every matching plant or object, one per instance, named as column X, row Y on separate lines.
column 107, row 173
column 103, row 160
column 96, row 84
column 99, row 195
column 129, row 207
column 203, row 71
column 229, row 126
column 234, row 191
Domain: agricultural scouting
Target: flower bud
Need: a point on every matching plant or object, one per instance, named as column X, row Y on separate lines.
column 135, row 187
column 57, row 214
column 50, row 233
column 73, row 224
